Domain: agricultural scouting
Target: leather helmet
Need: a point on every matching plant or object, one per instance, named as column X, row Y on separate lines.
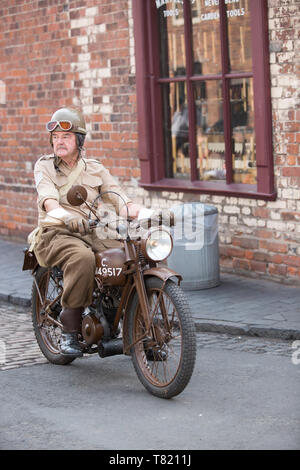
column 65, row 115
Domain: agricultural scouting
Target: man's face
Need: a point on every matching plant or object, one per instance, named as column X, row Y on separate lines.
column 64, row 145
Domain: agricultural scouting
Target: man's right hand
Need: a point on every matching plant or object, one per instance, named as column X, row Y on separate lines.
column 77, row 225
column 74, row 223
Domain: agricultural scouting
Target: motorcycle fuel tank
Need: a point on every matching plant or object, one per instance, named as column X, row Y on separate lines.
column 110, row 267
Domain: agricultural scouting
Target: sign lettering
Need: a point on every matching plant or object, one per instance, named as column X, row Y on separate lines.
column 214, row 15
column 171, row 12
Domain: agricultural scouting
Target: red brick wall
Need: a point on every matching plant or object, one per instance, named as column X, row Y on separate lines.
column 55, row 53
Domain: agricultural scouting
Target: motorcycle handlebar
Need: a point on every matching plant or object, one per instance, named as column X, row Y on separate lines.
column 96, row 223
column 122, row 228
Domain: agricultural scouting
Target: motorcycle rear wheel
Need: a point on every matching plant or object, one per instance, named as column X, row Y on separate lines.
column 46, row 332
column 163, row 357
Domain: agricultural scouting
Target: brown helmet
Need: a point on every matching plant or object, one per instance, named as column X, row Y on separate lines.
column 67, row 119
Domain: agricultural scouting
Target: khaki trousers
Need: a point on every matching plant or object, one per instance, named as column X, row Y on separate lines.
column 74, row 255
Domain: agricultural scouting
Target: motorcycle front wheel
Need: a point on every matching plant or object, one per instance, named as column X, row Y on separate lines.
column 164, row 355
column 47, row 332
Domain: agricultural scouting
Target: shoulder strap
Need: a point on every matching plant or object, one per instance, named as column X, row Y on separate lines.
column 72, row 178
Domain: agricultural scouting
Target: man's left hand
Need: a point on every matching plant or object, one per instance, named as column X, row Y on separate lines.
column 133, row 210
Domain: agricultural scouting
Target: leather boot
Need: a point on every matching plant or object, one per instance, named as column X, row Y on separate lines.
column 69, row 345
column 71, row 321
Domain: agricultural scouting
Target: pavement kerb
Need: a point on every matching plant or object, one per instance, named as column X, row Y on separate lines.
column 247, row 330
column 15, row 300
column 220, row 327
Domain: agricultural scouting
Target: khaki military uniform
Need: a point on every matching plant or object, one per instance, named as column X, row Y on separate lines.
column 72, row 252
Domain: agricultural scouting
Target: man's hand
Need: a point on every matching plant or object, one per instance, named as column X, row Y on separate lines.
column 158, row 217
column 133, row 210
column 164, row 217
column 76, row 224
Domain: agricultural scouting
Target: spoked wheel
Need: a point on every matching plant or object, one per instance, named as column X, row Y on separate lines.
column 46, row 325
column 164, row 354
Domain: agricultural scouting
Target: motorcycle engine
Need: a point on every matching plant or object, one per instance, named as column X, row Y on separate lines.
column 92, row 330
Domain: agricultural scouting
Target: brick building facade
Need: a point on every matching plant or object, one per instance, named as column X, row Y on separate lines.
column 83, row 53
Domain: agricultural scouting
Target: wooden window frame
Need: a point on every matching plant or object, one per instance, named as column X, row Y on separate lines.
column 149, row 107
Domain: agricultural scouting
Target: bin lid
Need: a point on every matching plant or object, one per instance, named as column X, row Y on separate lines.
column 207, row 209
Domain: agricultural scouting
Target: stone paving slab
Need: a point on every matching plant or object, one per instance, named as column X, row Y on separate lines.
column 15, row 284
column 248, row 306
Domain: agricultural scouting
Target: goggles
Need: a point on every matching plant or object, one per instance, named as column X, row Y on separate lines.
column 64, row 125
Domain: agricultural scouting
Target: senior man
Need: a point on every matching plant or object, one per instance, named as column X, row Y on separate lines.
column 64, row 238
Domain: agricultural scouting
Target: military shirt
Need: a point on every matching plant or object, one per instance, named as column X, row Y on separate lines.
column 51, row 173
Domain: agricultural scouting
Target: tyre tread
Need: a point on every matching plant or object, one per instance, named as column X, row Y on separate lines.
column 189, row 343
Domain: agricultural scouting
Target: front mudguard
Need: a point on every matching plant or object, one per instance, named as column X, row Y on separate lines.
column 162, row 272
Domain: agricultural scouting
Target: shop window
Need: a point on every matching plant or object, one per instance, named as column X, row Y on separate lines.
column 204, row 96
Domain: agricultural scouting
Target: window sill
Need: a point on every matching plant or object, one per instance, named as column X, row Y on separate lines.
column 209, row 187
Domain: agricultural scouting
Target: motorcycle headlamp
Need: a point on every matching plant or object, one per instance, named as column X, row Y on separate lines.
column 158, row 244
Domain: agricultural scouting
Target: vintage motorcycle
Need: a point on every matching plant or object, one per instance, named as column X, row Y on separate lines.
column 138, row 308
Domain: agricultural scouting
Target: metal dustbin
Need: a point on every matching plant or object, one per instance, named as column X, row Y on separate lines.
column 195, row 253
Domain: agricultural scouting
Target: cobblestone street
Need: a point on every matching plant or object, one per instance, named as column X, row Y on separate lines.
column 19, row 347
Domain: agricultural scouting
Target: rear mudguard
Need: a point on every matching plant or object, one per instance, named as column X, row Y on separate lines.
column 162, row 272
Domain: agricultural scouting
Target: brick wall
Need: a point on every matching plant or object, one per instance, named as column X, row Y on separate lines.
column 55, row 53
column 80, row 52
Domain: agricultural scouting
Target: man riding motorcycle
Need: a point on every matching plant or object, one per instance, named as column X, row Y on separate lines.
column 64, row 237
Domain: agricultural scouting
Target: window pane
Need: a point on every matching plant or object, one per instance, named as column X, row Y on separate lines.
column 239, row 36
column 172, row 45
column 210, row 130
column 206, row 38
column 176, row 130
column 243, row 134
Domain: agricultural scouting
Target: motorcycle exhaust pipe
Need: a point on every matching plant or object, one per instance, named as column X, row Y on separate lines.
column 111, row 347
